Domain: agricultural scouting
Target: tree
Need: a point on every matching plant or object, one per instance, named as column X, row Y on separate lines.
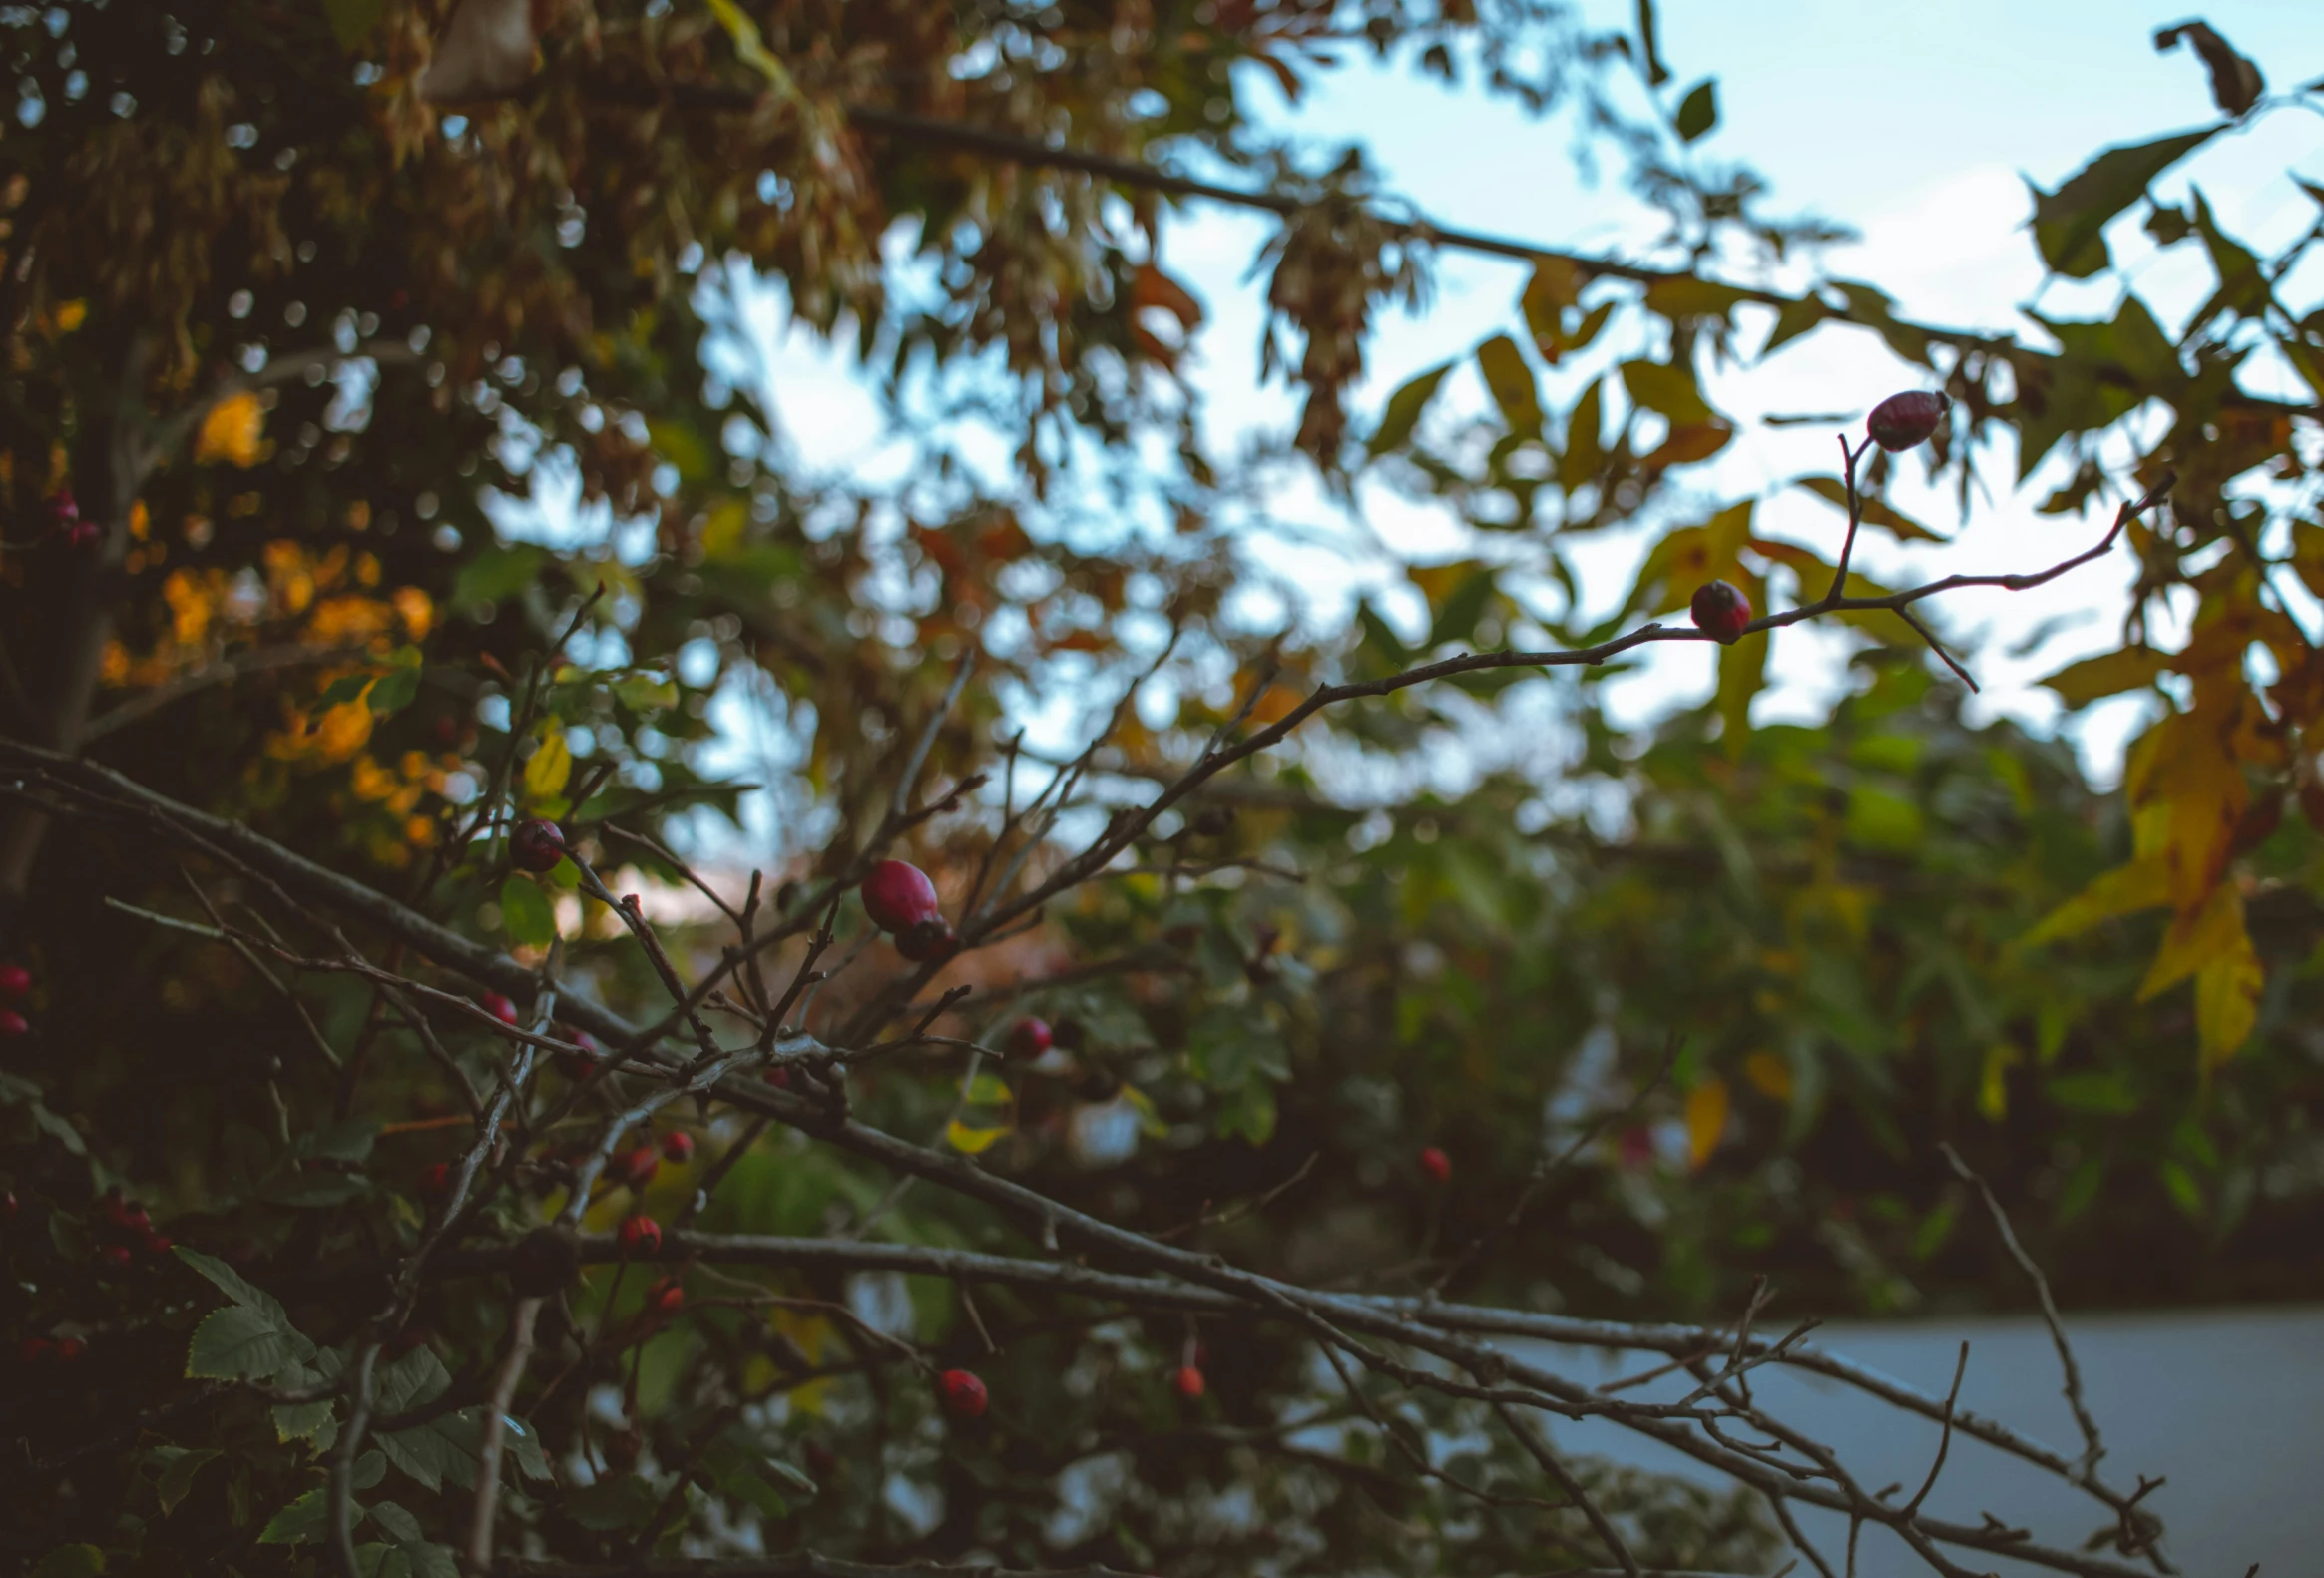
column 563, row 1229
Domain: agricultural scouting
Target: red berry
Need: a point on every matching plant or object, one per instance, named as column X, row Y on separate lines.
column 500, row 1008
column 35, row 1348
column 127, row 1214
column 928, row 940
column 677, row 1146
column 665, row 1297
column 1720, row 607
column 635, row 1168
column 537, row 844
column 8, row 1205
column 821, row 1460
column 1189, row 1382
column 1904, row 420
column 1637, row 1147
column 158, row 1243
column 780, row 1078
column 13, row 1023
column 1029, row 1038
column 64, row 509
column 898, row 897
column 70, row 1349
column 15, row 981
column 963, row 1393
column 1436, row 1164
column 640, row 1235
column 437, row 1179
column 114, row 1258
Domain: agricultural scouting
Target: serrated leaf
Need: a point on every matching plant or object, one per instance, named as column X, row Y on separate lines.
column 526, row 914
column 394, row 1522
column 412, row 1382
column 1697, row 112
column 241, row 1344
column 230, row 1282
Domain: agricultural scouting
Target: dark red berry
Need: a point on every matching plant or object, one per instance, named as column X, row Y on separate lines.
column 35, row 1348
column 114, row 1258
column 640, row 1235
column 437, row 1179
column 8, row 1205
column 898, row 897
column 1189, row 1382
column 64, row 510
column 636, row 1166
column 1904, row 420
column 15, row 981
column 1436, row 1164
column 1721, row 609
column 13, row 1023
column 929, row 939
column 158, row 1243
column 821, row 1460
column 1637, row 1147
column 70, row 1348
column 537, row 844
column 780, row 1078
column 677, row 1146
column 665, row 1297
column 1029, row 1038
column 962, row 1392
column 500, row 1008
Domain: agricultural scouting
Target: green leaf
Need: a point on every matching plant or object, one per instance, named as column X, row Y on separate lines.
column 2070, row 224
column 308, row 1519
column 683, row 447
column 444, row 1448
column 396, row 688
column 412, row 1382
column 1511, row 381
column 1585, row 455
column 1404, row 410
column 179, row 1466
column 2100, row 1092
column 1698, row 110
column 1793, row 320
column 1667, row 389
column 70, row 1561
column 344, row 688
column 526, row 914
column 1878, row 819
column 352, row 20
column 395, row 1523
column 1657, row 73
column 241, row 1344
column 2108, row 674
column 1457, row 620
column 497, row 574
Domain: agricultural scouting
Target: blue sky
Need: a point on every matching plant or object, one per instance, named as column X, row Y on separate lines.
column 1915, row 125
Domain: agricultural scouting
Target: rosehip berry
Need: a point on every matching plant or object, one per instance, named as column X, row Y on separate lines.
column 15, row 981
column 1904, row 420
column 1720, row 607
column 640, row 1235
column 665, row 1297
column 70, row 1348
column 962, row 1395
column 635, row 1168
column 500, row 1008
column 677, row 1146
column 1030, row 1038
column 13, row 1023
column 537, row 844
column 158, row 1243
column 1436, row 1164
column 127, row 1214
column 929, row 939
column 114, row 1258
column 898, row 897
column 1189, row 1382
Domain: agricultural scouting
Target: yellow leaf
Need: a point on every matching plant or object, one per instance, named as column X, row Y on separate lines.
column 2227, row 1002
column 968, row 1140
column 2143, row 884
column 1769, row 1075
column 1706, row 1120
column 232, row 430
column 551, row 766
column 1992, row 1088
column 2107, row 674
column 722, row 533
column 2197, row 940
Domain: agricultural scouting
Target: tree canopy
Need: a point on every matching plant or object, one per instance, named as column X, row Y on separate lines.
column 420, row 1155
